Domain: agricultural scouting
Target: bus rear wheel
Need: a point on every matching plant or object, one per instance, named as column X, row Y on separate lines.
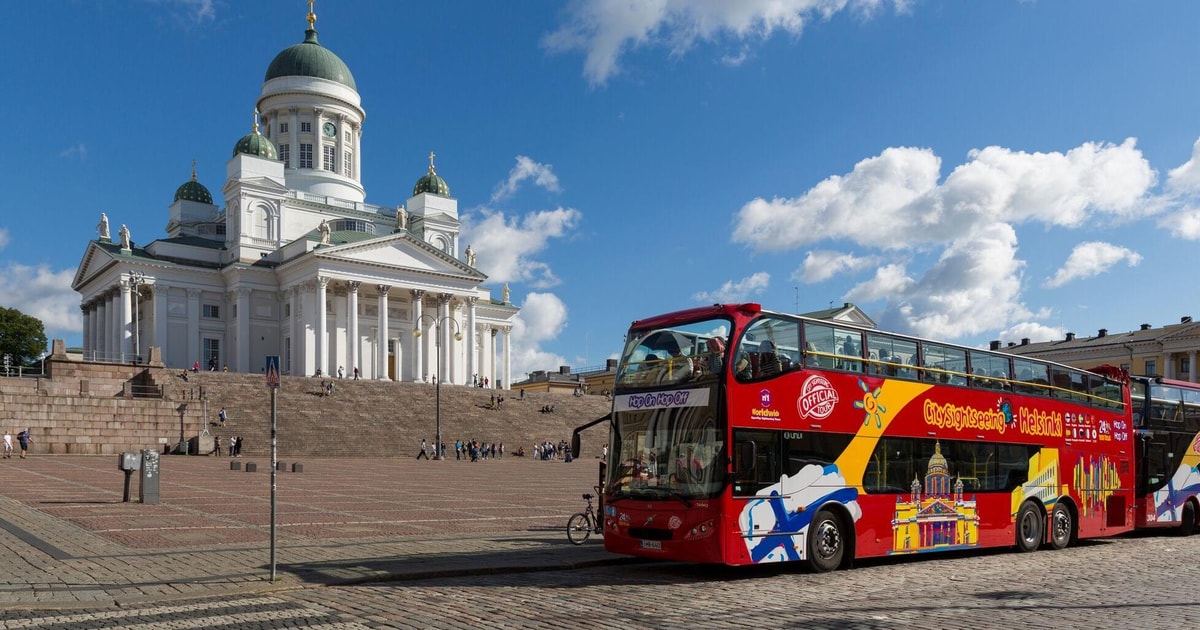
column 1030, row 526
column 826, row 545
column 1062, row 526
column 1188, row 525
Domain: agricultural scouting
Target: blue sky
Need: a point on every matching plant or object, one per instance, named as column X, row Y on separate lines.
column 961, row 170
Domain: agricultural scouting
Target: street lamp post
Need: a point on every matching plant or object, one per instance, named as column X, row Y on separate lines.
column 437, row 342
column 136, row 280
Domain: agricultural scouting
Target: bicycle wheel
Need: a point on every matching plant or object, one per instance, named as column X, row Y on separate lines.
column 578, row 528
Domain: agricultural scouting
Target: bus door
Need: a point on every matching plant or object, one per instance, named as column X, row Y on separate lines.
column 1153, row 466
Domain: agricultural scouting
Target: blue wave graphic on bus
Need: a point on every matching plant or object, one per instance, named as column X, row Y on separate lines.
column 1169, row 501
column 787, row 508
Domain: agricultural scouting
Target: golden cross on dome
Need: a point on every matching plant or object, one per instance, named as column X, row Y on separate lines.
column 193, row 169
column 312, row 17
column 431, row 161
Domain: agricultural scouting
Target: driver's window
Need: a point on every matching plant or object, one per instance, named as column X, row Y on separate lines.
column 755, row 460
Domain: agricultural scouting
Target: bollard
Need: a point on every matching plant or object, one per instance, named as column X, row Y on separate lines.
column 298, row 467
column 235, row 465
column 251, row 467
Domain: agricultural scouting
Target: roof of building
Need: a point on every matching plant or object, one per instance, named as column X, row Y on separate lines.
column 432, row 183
column 310, row 59
column 193, row 190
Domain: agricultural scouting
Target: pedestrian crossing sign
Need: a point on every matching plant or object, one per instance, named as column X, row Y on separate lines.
column 272, row 371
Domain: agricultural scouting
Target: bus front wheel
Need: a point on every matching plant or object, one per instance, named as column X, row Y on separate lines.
column 1062, row 526
column 826, row 545
column 1188, row 525
column 1030, row 527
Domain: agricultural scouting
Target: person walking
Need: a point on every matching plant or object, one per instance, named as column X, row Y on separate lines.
column 222, row 416
column 23, row 438
column 424, row 450
column 237, row 446
column 8, row 445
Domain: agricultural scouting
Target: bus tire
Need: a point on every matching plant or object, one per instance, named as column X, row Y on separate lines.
column 826, row 544
column 1062, row 526
column 1031, row 527
column 1187, row 526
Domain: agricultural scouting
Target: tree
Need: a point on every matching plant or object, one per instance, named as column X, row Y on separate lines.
column 22, row 337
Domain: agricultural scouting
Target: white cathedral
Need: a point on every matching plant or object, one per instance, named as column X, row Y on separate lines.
column 297, row 265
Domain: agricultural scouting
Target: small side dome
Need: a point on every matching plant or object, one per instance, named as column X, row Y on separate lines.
column 254, row 143
column 431, row 183
column 193, row 190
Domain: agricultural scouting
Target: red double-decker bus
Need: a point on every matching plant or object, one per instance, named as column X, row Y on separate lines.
column 743, row 436
column 1166, row 420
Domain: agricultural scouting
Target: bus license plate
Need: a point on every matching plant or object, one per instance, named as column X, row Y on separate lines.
column 652, row 544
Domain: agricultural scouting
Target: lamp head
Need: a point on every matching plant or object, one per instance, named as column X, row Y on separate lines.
column 416, row 332
column 458, row 336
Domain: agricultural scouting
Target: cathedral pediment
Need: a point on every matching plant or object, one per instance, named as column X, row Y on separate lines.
column 400, row 251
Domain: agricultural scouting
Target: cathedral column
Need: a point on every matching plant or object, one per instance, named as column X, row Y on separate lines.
column 161, row 294
column 470, row 342
column 126, row 320
column 318, row 147
column 322, row 340
column 418, row 367
column 358, row 155
column 294, row 347
column 381, row 338
column 507, row 347
column 352, row 329
column 98, row 329
column 492, row 357
column 445, row 332
column 340, row 146
column 294, row 134
column 193, row 327
column 243, row 331
column 87, row 328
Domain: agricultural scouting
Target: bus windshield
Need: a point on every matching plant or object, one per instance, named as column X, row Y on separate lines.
column 667, row 439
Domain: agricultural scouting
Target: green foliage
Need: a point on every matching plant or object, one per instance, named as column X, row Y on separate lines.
column 21, row 336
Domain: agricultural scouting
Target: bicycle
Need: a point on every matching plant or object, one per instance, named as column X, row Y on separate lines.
column 583, row 524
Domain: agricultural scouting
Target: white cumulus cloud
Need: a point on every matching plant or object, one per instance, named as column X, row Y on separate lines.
column 1091, row 259
column 975, row 286
column 542, row 318
column 605, row 30
column 822, row 265
column 736, row 291
column 526, row 168
column 43, row 293
column 506, row 247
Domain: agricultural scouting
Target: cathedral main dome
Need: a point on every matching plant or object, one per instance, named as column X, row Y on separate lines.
column 310, row 59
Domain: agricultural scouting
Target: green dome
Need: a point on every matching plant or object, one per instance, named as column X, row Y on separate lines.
column 310, row 59
column 193, row 191
column 255, row 143
column 431, row 183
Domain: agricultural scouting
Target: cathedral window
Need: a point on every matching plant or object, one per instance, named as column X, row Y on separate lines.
column 329, row 151
column 346, row 164
column 285, row 155
column 305, row 155
column 305, row 127
column 283, row 127
column 212, row 311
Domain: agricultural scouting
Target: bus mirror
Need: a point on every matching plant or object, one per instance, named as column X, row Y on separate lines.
column 575, row 446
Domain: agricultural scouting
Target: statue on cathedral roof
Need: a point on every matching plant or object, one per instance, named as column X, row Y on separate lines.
column 504, row 293
column 324, row 230
column 102, row 227
column 124, row 234
column 401, row 218
column 470, row 256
